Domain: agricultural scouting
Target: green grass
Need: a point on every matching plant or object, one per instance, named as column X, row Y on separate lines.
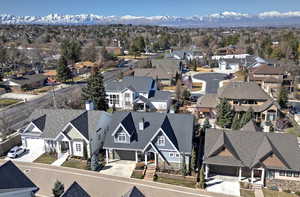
column 183, row 183
column 271, row 193
column 294, row 131
column 76, row 163
column 46, row 158
column 137, row 175
column 247, row 193
column 6, row 102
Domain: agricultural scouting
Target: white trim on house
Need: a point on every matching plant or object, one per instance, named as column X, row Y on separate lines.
column 117, row 128
column 160, row 129
column 156, row 150
column 31, row 123
column 86, row 140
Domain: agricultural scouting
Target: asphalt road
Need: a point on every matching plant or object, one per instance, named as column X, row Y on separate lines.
column 212, row 81
column 16, row 116
column 99, row 185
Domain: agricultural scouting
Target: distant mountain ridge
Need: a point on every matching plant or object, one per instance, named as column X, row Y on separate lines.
column 225, row 19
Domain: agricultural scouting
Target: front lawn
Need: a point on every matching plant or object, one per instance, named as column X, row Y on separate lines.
column 183, row 183
column 76, row 163
column 46, row 158
column 271, row 193
column 247, row 193
column 6, row 102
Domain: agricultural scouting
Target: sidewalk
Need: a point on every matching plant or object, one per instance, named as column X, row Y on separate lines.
column 60, row 160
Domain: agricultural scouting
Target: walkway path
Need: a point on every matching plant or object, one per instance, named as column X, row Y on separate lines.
column 60, row 160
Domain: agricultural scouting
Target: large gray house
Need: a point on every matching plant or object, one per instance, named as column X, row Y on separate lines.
column 74, row 132
column 159, row 138
column 270, row 159
column 138, row 93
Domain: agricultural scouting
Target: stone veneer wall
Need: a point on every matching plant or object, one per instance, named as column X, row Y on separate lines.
column 283, row 184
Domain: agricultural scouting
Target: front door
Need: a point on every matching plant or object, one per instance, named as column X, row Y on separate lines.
column 64, row 147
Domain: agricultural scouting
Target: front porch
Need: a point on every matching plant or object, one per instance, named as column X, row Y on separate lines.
column 149, row 158
column 254, row 176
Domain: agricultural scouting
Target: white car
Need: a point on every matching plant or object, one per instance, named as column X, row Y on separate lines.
column 16, row 152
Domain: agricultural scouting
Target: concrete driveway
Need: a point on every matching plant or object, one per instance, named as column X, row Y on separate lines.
column 227, row 186
column 28, row 156
column 119, row 168
column 212, row 81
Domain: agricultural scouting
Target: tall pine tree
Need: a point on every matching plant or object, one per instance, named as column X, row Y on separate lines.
column 282, row 97
column 236, row 122
column 63, row 71
column 95, row 91
column 249, row 115
column 224, row 114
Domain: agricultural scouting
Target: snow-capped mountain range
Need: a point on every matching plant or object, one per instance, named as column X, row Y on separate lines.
column 225, row 19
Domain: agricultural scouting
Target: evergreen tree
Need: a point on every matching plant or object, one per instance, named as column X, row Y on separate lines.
column 70, row 50
column 236, row 122
column 202, row 179
column 95, row 91
column 178, row 91
column 224, row 114
column 206, row 124
column 249, row 115
column 63, row 72
column 282, row 97
column 58, row 189
column 193, row 159
column 183, row 166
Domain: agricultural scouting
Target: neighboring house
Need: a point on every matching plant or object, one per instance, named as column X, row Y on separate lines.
column 14, row 183
column 26, row 82
column 82, row 67
column 271, row 78
column 231, row 56
column 75, row 132
column 186, row 55
column 163, row 70
column 229, row 65
column 269, row 159
column 242, row 96
column 123, row 93
column 159, row 138
column 134, row 192
column 75, row 190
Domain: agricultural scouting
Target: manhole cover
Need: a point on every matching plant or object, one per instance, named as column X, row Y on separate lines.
column 27, row 171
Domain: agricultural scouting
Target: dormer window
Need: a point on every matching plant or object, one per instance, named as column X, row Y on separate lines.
column 161, row 141
column 122, row 137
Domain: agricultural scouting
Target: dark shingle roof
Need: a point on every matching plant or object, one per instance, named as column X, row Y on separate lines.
column 134, row 192
column 75, row 190
column 242, row 90
column 52, row 121
column 139, row 84
column 178, row 127
column 251, row 126
column 12, row 177
column 252, row 147
column 160, row 96
column 28, row 79
column 268, row 70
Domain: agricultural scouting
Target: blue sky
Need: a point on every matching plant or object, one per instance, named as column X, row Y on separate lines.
column 144, row 7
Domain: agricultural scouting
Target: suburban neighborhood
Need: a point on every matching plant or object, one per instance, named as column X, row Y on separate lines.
column 128, row 106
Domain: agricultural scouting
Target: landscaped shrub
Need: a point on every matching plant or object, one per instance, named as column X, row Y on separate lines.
column 287, row 191
column 297, row 193
column 140, row 166
column 137, row 174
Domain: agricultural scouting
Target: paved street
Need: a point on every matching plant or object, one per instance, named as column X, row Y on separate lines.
column 16, row 116
column 99, row 185
column 212, row 81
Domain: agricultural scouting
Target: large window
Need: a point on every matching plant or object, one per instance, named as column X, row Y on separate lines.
column 122, row 137
column 161, row 141
column 114, row 99
column 78, row 147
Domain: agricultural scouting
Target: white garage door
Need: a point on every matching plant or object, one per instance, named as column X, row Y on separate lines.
column 35, row 144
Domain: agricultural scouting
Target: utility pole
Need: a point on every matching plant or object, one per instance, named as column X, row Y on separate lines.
column 53, row 96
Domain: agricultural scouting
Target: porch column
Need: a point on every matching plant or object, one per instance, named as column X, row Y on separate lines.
column 58, row 151
column 106, row 154
column 206, row 171
column 70, row 148
column 263, row 176
column 136, row 157
column 155, row 158
column 240, row 173
column 146, row 159
column 252, row 176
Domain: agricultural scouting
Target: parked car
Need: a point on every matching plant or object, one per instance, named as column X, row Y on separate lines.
column 16, row 152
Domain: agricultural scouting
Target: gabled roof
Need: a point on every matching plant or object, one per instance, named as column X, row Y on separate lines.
column 134, row 192
column 253, row 147
column 28, row 79
column 265, row 69
column 11, row 177
column 136, row 83
column 251, row 126
column 75, row 190
column 242, row 90
column 178, row 127
column 52, row 121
